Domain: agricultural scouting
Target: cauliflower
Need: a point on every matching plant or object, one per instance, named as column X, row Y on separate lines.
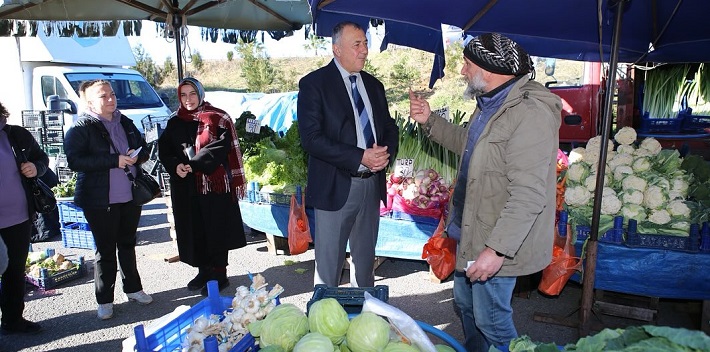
column 660, row 217
column 641, row 164
column 591, row 182
column 608, row 191
column 620, row 159
column 643, row 152
column 576, row 155
column 632, row 196
column 595, row 143
column 633, row 211
column 621, row 171
column 625, row 136
column 633, row 182
column 678, row 208
column 681, row 225
column 627, row 149
column 679, row 188
column 652, row 145
column 610, row 204
column 654, row 197
column 577, row 196
column 578, row 172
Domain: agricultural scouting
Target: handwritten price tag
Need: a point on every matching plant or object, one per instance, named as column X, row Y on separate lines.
column 404, row 167
column 253, row 126
column 443, row 112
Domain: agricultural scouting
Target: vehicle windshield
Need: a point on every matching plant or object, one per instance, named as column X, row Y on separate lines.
column 132, row 91
column 566, row 73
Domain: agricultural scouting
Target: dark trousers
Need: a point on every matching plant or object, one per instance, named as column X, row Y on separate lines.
column 114, row 229
column 12, row 292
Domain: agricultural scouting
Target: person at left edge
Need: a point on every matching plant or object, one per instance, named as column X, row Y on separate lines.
column 98, row 148
column 16, row 213
column 200, row 150
column 346, row 174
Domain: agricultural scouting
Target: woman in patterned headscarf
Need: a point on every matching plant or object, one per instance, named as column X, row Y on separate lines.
column 200, row 150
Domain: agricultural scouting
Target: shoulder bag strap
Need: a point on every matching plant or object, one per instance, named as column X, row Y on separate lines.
column 126, row 169
column 19, row 153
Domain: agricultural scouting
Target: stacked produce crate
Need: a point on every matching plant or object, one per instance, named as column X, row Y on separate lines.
column 76, row 232
column 47, row 128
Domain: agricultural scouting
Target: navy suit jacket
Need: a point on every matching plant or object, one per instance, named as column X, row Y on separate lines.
column 326, row 123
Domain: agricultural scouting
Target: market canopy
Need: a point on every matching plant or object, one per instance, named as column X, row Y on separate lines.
column 228, row 18
column 669, row 31
column 228, row 14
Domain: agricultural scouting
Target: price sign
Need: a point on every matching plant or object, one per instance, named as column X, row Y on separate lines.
column 253, row 126
column 404, row 167
column 443, row 112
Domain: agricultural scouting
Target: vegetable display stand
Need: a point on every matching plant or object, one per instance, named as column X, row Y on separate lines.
column 169, row 337
column 46, row 281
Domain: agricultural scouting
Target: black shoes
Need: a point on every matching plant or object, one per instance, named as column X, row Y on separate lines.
column 197, row 283
column 21, row 327
column 200, row 280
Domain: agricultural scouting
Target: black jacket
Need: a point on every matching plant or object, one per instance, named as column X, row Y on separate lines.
column 24, row 140
column 89, row 153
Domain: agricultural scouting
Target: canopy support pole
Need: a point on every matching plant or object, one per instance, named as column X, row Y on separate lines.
column 591, row 256
column 177, row 25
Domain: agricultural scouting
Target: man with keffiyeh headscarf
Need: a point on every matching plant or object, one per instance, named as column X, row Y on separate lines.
column 200, row 150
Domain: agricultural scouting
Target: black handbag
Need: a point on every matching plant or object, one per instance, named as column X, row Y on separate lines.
column 41, row 196
column 145, row 188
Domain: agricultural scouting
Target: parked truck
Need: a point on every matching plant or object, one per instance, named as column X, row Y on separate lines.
column 36, row 68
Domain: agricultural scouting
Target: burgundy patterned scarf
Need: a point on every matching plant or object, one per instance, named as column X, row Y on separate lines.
column 210, row 120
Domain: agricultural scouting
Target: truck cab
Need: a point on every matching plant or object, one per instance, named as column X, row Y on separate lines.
column 134, row 96
column 45, row 65
column 578, row 83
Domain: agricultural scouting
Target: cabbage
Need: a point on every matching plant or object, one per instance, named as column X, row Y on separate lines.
column 328, row 317
column 399, row 347
column 283, row 326
column 272, row 348
column 314, row 342
column 368, row 332
column 444, row 348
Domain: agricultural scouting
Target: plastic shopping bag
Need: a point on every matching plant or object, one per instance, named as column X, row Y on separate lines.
column 299, row 233
column 440, row 252
column 563, row 265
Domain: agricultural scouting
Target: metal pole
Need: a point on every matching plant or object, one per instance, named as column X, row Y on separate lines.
column 591, row 257
column 177, row 25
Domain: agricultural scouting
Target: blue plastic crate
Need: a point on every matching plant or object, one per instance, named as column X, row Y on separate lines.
column 694, row 123
column 351, row 298
column 611, row 236
column 45, row 281
column 648, row 124
column 77, row 235
column 70, row 212
column 170, row 336
column 690, row 243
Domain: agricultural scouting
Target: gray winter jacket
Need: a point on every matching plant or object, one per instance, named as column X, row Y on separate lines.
column 510, row 191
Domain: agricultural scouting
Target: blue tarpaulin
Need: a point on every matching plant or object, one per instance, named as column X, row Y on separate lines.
column 277, row 110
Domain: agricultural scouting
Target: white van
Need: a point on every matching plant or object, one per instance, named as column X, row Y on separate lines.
column 35, row 68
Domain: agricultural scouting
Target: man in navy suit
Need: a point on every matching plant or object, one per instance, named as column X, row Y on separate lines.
column 350, row 137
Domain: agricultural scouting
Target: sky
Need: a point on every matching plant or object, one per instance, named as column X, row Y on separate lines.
column 159, row 48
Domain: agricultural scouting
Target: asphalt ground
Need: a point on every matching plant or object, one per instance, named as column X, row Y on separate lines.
column 68, row 311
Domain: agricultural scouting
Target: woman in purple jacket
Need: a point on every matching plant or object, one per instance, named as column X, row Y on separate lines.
column 16, row 214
